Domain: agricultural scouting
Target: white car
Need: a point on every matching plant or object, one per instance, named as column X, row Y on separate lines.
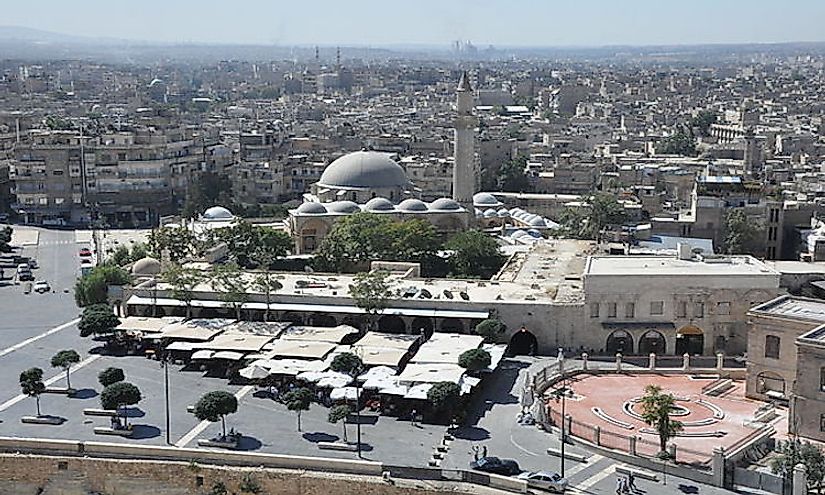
column 544, row 480
column 42, row 287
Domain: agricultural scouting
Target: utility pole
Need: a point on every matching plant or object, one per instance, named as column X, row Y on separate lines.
column 164, row 363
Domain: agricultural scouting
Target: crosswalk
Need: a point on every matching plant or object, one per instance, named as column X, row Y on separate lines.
column 57, row 242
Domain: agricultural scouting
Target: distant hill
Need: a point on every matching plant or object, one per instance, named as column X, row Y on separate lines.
column 19, row 33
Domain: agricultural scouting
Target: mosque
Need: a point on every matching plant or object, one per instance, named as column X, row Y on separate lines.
column 373, row 182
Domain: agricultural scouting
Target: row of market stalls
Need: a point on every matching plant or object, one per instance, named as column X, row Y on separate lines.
column 400, row 368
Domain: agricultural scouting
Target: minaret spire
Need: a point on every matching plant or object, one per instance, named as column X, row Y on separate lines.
column 464, row 169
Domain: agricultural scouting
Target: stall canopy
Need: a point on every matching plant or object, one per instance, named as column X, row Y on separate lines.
column 236, row 342
column 254, row 372
column 446, row 348
column 202, row 355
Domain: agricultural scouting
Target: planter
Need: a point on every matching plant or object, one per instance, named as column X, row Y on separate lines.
column 58, row 390
column 100, row 412
column 105, row 430
column 228, row 443
column 349, row 447
column 43, row 420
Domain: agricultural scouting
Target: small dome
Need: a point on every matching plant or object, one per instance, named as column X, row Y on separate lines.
column 535, row 233
column 518, row 233
column 412, row 204
column 218, row 213
column 343, row 207
column 146, row 266
column 364, row 169
column 379, row 204
column 483, row 199
column 503, row 213
column 536, row 221
column 312, row 208
column 490, row 213
column 445, row 204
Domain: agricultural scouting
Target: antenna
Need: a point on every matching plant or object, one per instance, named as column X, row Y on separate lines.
column 316, row 54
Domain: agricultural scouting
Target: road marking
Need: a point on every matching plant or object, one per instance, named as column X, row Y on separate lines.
column 516, row 445
column 593, row 459
column 198, row 429
column 586, row 484
column 28, row 341
column 14, row 400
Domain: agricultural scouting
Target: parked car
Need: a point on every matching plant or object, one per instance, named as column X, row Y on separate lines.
column 33, row 264
column 85, row 252
column 506, row 467
column 24, row 273
column 42, row 287
column 544, row 480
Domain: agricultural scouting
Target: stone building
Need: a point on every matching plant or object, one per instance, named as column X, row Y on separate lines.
column 672, row 305
column 772, row 350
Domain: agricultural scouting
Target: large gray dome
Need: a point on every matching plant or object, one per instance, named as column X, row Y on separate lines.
column 364, row 170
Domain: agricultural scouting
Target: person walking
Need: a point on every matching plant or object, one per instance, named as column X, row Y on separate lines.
column 413, row 413
column 484, row 451
column 631, row 482
column 475, row 452
column 619, row 485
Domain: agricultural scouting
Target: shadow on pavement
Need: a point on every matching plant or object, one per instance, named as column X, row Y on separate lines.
column 84, row 393
column 471, row 433
column 317, row 436
column 142, row 432
column 248, row 443
column 496, row 389
column 132, row 412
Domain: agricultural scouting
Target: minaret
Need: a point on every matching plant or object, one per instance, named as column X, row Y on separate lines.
column 464, row 169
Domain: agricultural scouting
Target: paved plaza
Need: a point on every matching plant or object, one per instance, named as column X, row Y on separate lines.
column 610, row 402
column 34, row 327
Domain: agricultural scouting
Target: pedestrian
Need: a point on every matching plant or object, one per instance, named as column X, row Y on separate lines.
column 413, row 413
column 475, row 452
column 484, row 451
column 619, row 485
column 631, row 482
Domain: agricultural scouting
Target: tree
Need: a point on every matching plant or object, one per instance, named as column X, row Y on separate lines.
column 249, row 245
column 31, row 383
column 94, row 287
column 65, row 359
column 97, row 319
column 372, row 292
column 474, row 255
column 703, row 120
column 656, row 410
column 358, row 239
column 5, row 239
column 110, row 376
column 742, row 235
column 587, row 222
column 682, row 142
column 792, row 452
column 172, row 243
column 119, row 395
column 216, row 405
column 183, row 282
column 298, row 399
column 443, row 397
column 230, row 281
column 340, row 413
column 491, row 329
column 268, row 284
column 208, row 189
column 348, row 363
column 511, row 176
column 474, row 360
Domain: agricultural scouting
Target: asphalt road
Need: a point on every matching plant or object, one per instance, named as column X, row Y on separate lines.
column 34, row 327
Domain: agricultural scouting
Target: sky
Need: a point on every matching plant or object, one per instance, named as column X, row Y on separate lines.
column 429, row 22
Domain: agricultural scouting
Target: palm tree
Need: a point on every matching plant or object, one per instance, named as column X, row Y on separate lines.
column 656, row 410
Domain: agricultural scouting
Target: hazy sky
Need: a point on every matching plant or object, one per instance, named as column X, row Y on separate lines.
column 383, row 22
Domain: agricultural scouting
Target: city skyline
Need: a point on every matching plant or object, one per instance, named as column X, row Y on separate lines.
column 429, row 23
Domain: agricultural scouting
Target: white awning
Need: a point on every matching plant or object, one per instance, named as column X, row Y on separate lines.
column 181, row 346
column 313, row 308
column 204, row 354
column 419, row 391
column 228, row 355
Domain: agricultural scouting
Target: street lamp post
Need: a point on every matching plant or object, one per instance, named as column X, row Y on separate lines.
column 164, row 363
column 561, row 394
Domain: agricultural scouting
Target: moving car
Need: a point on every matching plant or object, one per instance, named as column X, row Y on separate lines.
column 42, row 287
column 507, row 467
column 85, row 252
column 544, row 480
